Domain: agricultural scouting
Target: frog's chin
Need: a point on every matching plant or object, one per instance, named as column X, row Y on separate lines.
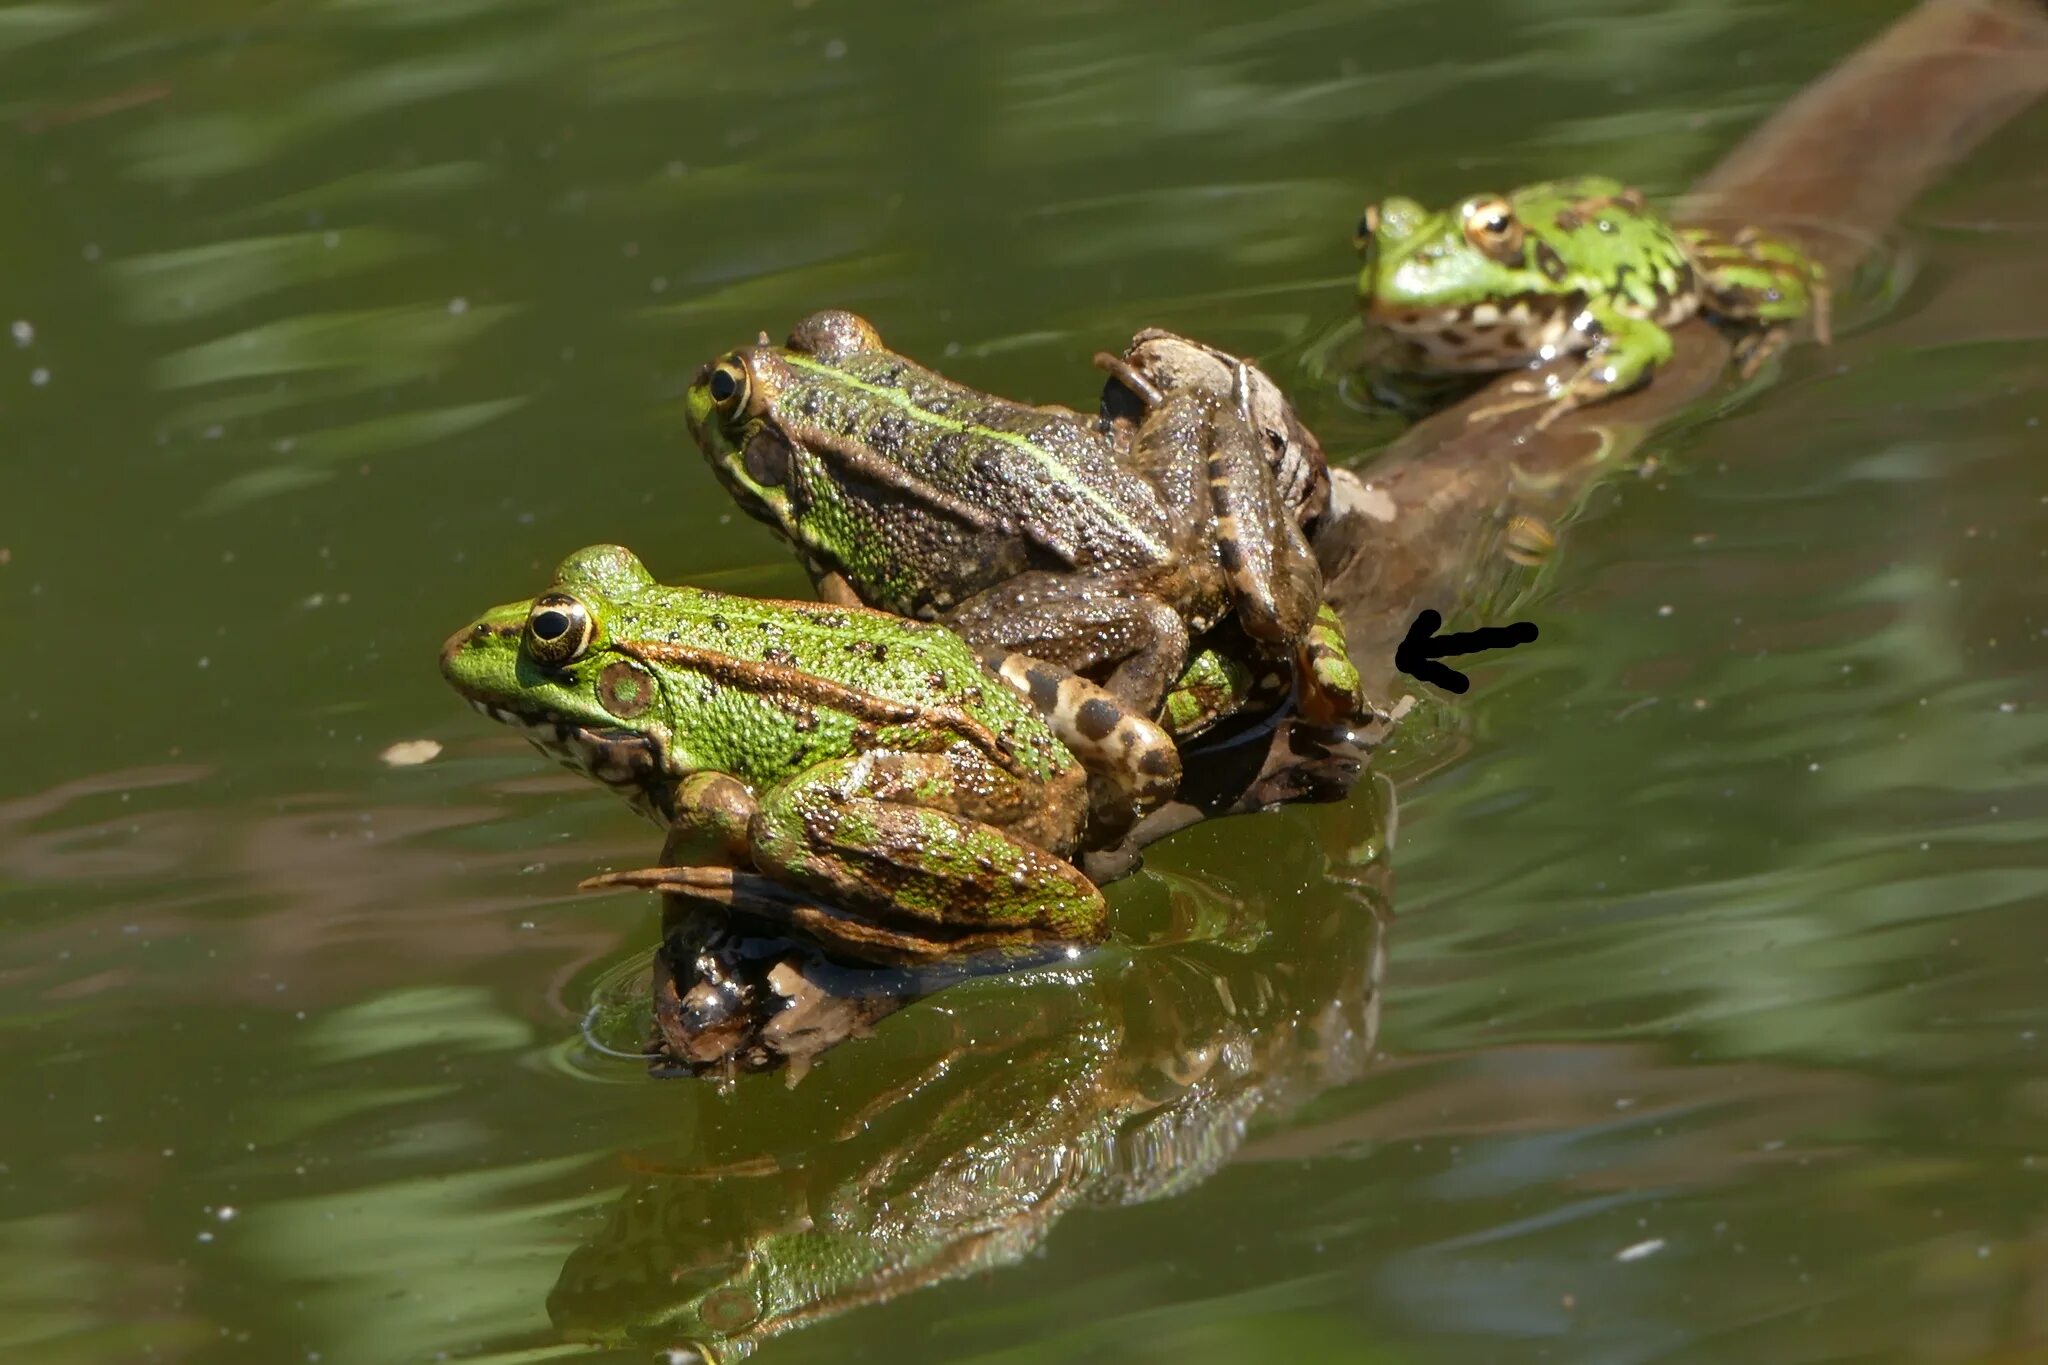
column 624, row 760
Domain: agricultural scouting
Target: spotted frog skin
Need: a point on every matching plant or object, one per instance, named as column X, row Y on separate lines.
column 1570, row 267
column 872, row 783
column 1026, row 529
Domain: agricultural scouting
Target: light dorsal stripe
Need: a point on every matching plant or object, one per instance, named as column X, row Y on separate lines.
column 1054, row 470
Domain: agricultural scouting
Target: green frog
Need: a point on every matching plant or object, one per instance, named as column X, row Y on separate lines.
column 1026, row 529
column 1571, row 267
column 873, row 784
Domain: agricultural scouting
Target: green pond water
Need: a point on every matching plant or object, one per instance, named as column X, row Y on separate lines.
column 1698, row 1013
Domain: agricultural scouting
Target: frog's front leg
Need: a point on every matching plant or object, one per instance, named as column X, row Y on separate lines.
column 1083, row 622
column 1626, row 350
column 886, row 857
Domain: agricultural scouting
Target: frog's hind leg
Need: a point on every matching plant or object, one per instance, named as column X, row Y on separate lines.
column 931, row 846
column 1331, row 692
column 1131, row 762
column 1131, row 377
column 1757, row 278
column 749, row 893
column 1275, row 582
column 902, row 857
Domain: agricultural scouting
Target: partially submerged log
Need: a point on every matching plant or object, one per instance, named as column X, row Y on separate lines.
column 1434, row 520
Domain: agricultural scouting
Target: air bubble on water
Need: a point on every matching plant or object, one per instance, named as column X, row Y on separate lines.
column 458, row 306
column 24, row 331
column 39, row 376
column 835, row 49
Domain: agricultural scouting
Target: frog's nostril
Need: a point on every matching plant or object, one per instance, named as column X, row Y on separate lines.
column 452, row 648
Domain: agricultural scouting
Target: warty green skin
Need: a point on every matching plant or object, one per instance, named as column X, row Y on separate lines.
column 1027, row 529
column 881, row 791
column 1565, row 267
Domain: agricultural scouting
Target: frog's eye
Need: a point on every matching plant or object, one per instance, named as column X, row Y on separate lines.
column 728, row 384
column 1490, row 225
column 558, row 630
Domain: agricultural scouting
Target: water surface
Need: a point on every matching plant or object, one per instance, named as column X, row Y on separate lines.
column 1710, row 1019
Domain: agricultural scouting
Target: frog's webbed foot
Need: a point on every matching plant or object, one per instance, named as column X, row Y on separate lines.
column 1520, row 395
column 1629, row 350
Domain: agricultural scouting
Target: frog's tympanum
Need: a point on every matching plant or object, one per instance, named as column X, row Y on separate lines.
column 1029, row 530
column 959, row 1142
column 873, row 784
column 1579, row 266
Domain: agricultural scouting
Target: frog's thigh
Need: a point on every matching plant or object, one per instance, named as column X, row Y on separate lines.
column 1082, row 622
column 1274, row 577
column 846, row 831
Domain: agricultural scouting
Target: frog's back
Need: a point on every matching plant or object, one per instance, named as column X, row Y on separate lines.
column 1044, row 472
column 783, row 680
column 1604, row 242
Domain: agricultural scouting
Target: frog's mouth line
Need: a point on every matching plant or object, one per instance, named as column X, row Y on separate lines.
column 626, row 761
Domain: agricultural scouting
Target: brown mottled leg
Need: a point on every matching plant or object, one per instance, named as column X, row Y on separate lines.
column 1131, row 762
column 1274, row 577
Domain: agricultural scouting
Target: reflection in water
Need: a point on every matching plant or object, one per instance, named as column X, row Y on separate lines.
column 967, row 1134
column 1723, row 933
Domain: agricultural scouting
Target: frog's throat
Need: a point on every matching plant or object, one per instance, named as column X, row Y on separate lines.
column 1479, row 315
column 631, row 764
column 1486, row 332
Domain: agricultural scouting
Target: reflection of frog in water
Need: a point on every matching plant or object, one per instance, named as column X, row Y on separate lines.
column 1126, row 1080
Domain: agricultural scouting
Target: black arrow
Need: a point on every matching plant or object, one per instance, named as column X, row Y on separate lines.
column 1419, row 652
